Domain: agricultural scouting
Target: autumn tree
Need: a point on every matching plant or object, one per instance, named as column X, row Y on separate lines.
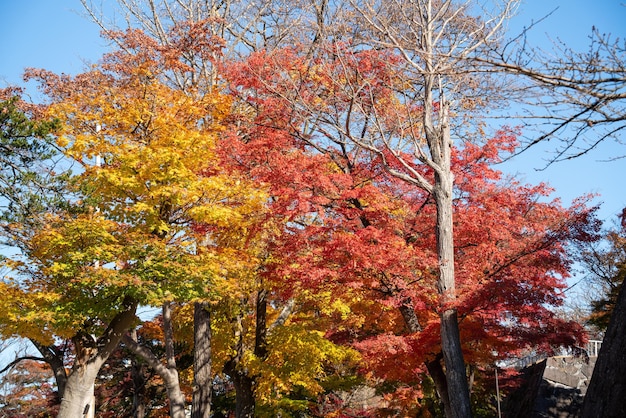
column 470, row 48
column 603, row 263
column 385, row 261
column 458, row 72
column 579, row 100
column 269, row 340
column 605, row 268
column 435, row 42
column 121, row 127
column 147, row 171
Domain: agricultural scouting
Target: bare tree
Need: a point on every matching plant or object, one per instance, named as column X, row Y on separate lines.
column 576, row 98
column 237, row 26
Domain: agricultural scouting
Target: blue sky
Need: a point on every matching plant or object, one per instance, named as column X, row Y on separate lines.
column 57, row 36
column 598, row 172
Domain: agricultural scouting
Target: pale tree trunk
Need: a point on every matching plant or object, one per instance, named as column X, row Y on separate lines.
column 177, row 400
column 450, row 336
column 202, row 375
column 440, row 145
column 78, row 397
column 167, row 372
column 91, row 354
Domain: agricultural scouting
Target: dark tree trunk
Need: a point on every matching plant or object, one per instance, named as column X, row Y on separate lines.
column 244, row 402
column 244, row 388
column 138, row 375
column 606, row 395
column 260, row 341
column 455, row 366
column 201, row 403
column 139, row 389
column 435, row 370
column 434, row 367
column 54, row 357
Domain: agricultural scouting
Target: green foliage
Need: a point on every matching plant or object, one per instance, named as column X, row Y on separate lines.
column 607, row 267
column 30, row 178
column 601, row 309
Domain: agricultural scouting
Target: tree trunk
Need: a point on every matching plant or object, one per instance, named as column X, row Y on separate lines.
column 174, row 394
column 54, row 357
column 172, row 382
column 260, row 337
column 138, row 376
column 456, row 377
column 91, row 354
column 201, row 403
column 440, row 145
column 169, row 376
column 139, row 389
column 435, row 370
column 78, row 396
column 606, row 395
column 167, row 372
column 244, row 400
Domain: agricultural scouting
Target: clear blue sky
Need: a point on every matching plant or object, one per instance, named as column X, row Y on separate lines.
column 55, row 34
column 598, row 172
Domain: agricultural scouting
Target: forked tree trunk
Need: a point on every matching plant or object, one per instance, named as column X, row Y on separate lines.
column 77, row 399
column 169, row 376
column 90, row 356
column 167, row 372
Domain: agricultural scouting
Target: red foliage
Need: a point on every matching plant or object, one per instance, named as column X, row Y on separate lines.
column 29, row 391
column 353, row 229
